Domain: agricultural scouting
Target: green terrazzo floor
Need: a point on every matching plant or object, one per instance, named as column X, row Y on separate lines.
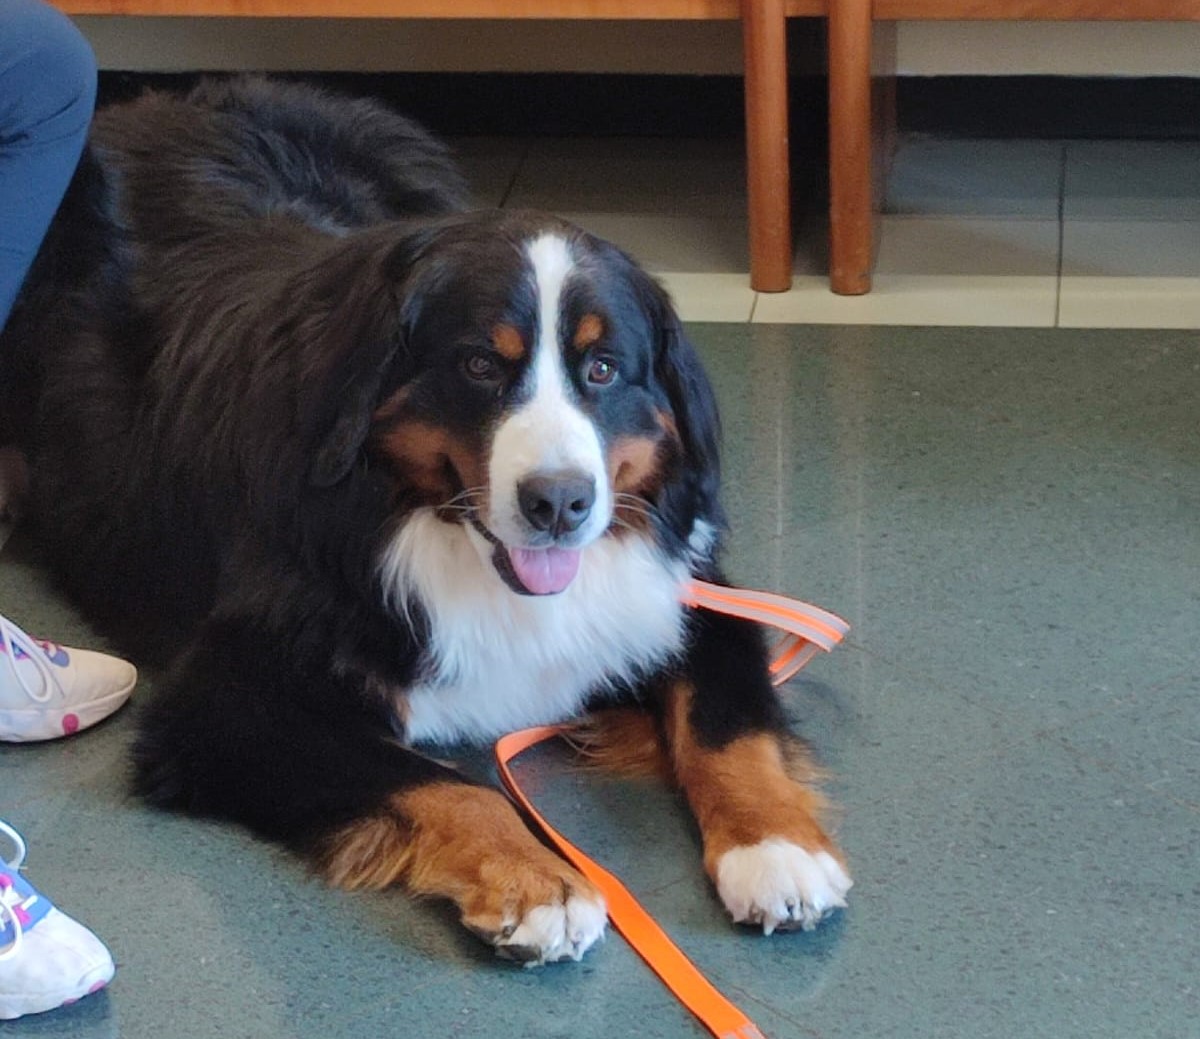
column 1010, row 519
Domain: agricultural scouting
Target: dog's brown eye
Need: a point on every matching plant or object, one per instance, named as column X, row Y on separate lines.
column 482, row 368
column 601, row 371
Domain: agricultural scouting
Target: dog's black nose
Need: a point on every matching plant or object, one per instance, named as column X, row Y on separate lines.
column 556, row 502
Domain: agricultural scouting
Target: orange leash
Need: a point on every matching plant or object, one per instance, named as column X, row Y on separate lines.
column 649, row 940
column 806, row 629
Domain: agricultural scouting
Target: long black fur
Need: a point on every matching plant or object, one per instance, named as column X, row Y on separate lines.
column 230, row 291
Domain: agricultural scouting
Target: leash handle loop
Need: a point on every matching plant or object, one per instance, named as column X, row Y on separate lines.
column 820, row 627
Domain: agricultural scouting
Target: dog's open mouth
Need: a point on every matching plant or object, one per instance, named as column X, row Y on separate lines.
column 532, row 571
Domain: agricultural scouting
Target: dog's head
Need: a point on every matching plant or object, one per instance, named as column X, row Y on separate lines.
column 531, row 382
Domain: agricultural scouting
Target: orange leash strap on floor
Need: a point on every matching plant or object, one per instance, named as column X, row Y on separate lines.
column 806, row 629
column 649, row 940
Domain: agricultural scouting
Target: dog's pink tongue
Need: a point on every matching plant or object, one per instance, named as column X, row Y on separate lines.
column 545, row 571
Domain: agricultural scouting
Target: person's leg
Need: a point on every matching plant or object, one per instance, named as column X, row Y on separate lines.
column 47, row 93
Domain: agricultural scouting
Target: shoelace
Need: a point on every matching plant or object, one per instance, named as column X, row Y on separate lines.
column 12, row 906
column 18, row 843
column 10, row 635
column 10, row 901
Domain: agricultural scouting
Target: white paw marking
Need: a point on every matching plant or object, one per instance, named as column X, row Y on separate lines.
column 780, row 885
column 547, row 933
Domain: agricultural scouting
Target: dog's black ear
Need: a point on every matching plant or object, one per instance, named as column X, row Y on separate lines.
column 336, row 454
column 357, row 354
column 678, row 370
column 351, row 395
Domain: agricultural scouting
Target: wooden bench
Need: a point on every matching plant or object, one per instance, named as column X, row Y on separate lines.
column 862, row 110
column 765, row 56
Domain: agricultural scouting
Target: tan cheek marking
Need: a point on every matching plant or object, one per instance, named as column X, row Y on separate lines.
column 419, row 452
column 667, row 421
column 633, row 464
column 456, row 841
column 750, row 789
column 508, row 342
column 588, row 331
column 471, row 470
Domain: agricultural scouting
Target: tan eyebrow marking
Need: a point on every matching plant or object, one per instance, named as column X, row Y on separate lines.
column 588, row 331
column 508, row 342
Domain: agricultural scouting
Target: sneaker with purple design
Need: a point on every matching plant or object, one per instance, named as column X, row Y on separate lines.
column 48, row 691
column 47, row 960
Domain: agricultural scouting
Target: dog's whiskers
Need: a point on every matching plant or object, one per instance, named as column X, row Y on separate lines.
column 633, row 504
column 624, row 524
column 467, row 501
column 628, row 509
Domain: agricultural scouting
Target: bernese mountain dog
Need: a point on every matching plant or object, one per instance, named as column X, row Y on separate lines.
column 396, row 472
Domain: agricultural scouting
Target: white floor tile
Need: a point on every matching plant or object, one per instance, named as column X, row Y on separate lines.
column 710, row 297
column 968, row 247
column 1098, row 302
column 917, row 299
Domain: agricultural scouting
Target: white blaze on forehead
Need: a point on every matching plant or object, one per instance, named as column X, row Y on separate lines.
column 549, row 432
column 551, row 258
column 558, row 418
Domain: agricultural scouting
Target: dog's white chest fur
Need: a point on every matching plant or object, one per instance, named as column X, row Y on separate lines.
column 498, row 661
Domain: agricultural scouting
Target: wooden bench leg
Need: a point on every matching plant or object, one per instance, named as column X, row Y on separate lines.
column 851, row 195
column 764, row 35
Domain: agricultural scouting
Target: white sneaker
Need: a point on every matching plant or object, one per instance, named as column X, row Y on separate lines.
column 48, row 691
column 46, row 959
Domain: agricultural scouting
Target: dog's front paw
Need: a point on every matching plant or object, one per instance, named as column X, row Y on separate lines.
column 780, row 886
column 468, row 844
column 535, row 918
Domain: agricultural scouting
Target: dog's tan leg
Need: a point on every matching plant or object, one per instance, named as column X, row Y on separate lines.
column 759, row 814
column 468, row 844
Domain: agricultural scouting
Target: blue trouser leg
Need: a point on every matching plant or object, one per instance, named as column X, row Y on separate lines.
column 47, row 92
